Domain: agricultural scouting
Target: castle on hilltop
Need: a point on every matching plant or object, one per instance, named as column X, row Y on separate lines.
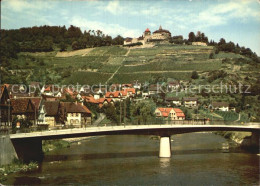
column 160, row 35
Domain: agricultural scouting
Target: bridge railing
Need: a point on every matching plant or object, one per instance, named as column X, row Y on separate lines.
column 161, row 123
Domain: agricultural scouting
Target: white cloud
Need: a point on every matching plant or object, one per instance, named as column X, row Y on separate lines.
column 22, row 5
column 113, row 7
column 220, row 14
column 111, row 29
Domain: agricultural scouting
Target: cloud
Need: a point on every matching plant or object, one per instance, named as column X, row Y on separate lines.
column 222, row 13
column 22, row 5
column 113, row 7
column 106, row 28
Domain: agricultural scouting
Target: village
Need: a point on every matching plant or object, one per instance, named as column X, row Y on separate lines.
column 54, row 108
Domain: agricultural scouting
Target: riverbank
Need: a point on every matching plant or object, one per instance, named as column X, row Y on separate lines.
column 16, row 166
column 50, row 145
column 243, row 139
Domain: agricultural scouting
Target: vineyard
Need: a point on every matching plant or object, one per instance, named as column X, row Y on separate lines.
column 98, row 64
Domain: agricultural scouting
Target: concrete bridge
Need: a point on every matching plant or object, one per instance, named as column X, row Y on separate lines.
column 28, row 146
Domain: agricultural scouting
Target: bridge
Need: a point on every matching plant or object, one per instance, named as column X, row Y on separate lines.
column 28, row 146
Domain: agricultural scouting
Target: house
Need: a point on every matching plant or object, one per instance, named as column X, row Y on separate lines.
column 145, row 95
column 199, row 43
column 52, row 113
column 190, row 102
column 170, row 113
column 173, row 85
column 23, row 108
column 153, row 89
column 222, row 106
column 99, row 92
column 5, row 106
column 101, row 101
column 117, row 95
column 126, row 86
column 130, row 92
column 75, row 114
column 49, row 98
column 158, row 35
column 174, row 100
column 137, row 85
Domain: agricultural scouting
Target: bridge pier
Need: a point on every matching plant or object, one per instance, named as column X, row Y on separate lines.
column 165, row 147
column 28, row 149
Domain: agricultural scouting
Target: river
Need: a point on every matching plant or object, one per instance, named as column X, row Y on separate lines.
column 197, row 159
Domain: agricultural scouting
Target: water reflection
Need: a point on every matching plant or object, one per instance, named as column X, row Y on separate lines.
column 197, row 159
column 165, row 162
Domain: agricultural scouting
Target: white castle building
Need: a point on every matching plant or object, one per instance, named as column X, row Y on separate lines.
column 147, row 37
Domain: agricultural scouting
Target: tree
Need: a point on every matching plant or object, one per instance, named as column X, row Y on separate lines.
column 75, row 45
column 63, row 47
column 194, row 75
column 118, row 40
column 111, row 114
column 211, row 55
column 192, row 37
column 143, row 111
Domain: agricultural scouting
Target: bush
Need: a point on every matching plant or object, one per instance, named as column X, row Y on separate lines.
column 211, row 56
column 194, row 75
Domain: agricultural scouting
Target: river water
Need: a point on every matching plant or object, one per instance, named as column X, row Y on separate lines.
column 197, row 159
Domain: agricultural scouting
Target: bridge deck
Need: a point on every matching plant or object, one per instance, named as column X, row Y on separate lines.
column 133, row 129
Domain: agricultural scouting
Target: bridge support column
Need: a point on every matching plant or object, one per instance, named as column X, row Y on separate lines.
column 165, row 147
column 28, row 149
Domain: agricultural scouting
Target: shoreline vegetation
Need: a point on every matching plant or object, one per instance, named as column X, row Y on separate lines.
column 47, row 146
column 16, row 166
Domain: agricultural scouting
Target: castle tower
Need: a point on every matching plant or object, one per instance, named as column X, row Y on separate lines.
column 160, row 28
column 147, row 32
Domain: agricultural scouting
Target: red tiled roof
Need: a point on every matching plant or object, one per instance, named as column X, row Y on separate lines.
column 115, row 94
column 20, row 105
column 165, row 111
column 130, row 90
column 179, row 112
column 147, row 30
column 36, row 101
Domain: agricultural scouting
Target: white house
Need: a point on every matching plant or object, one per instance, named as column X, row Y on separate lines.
column 222, row 106
column 190, row 102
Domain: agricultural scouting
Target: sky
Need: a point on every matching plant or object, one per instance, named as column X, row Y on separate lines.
column 235, row 20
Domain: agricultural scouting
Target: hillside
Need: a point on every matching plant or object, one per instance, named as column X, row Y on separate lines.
column 162, row 63
column 93, row 66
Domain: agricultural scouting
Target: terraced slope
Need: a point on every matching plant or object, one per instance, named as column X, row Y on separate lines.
column 116, row 64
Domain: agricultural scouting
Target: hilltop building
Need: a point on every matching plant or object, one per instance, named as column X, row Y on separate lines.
column 160, row 35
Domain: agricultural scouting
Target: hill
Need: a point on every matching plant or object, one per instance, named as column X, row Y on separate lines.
column 123, row 65
column 161, row 63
